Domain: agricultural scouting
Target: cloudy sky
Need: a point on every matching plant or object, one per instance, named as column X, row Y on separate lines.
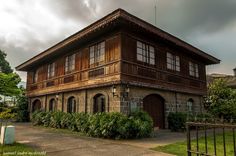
column 28, row 27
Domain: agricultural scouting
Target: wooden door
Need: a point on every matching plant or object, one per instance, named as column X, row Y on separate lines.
column 154, row 106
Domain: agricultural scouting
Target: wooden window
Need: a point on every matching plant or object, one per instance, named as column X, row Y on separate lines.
column 173, row 62
column 97, row 54
column 145, row 53
column 70, row 63
column 51, row 70
column 35, row 76
column 193, row 69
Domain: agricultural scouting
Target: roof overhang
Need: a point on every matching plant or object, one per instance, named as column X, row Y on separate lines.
column 104, row 24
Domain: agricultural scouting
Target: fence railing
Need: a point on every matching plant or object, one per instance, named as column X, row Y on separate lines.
column 207, row 132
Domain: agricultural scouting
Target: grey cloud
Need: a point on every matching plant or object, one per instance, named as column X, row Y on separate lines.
column 187, row 16
column 191, row 20
column 75, row 10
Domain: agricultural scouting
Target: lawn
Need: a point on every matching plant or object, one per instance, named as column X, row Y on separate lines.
column 19, row 149
column 180, row 148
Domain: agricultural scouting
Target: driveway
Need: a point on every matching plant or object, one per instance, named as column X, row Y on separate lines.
column 61, row 144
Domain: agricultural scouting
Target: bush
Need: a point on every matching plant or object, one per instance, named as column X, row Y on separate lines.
column 104, row 125
column 176, row 121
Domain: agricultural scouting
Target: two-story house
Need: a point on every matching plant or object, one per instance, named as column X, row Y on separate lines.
column 120, row 63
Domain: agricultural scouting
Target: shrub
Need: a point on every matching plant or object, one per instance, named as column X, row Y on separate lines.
column 81, row 121
column 104, row 125
column 176, row 121
column 55, row 121
column 37, row 118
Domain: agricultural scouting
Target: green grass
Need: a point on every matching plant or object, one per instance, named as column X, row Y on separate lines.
column 18, row 149
column 180, row 148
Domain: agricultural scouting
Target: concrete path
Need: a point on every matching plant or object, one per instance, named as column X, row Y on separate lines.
column 160, row 138
column 60, row 144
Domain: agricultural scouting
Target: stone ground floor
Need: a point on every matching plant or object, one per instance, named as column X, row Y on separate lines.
column 61, row 144
column 121, row 98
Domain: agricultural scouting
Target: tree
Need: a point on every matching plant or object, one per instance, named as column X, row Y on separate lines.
column 22, row 107
column 8, row 84
column 4, row 64
column 221, row 100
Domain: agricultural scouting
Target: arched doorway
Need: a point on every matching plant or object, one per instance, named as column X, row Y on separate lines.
column 71, row 105
column 99, row 103
column 36, row 105
column 154, row 105
column 52, row 105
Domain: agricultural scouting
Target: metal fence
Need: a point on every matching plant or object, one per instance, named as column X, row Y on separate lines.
column 209, row 132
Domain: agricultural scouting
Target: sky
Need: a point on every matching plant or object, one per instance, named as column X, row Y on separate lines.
column 29, row 27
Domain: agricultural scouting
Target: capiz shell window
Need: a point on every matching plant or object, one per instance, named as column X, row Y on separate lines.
column 51, row 70
column 173, row 62
column 145, row 53
column 70, row 63
column 97, row 54
column 193, row 69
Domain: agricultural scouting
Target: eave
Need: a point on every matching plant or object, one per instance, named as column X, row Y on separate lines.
column 101, row 24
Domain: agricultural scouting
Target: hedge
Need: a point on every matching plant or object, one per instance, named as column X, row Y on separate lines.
column 105, row 125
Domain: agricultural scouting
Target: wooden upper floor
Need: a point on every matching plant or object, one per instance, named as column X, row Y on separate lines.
column 118, row 48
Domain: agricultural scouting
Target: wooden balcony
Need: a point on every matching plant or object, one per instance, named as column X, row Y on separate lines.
column 77, row 80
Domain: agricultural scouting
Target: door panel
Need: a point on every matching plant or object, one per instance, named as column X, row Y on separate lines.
column 154, row 106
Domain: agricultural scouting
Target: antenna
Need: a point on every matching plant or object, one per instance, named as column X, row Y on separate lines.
column 156, row 12
column 155, row 15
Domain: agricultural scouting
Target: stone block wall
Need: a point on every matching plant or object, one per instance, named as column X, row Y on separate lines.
column 120, row 102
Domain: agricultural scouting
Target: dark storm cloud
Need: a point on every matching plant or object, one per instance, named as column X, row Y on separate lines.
column 33, row 26
column 76, row 10
column 191, row 15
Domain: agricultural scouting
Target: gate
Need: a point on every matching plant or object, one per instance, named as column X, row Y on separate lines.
column 210, row 133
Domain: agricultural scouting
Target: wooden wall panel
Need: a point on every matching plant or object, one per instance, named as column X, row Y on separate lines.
column 60, row 66
column 85, row 58
column 78, row 59
column 159, row 74
column 112, row 51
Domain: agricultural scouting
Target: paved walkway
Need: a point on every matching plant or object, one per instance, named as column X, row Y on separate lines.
column 60, row 144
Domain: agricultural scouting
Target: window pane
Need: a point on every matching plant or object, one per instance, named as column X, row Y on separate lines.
column 139, row 44
column 102, row 45
column 152, row 54
column 169, row 66
column 169, row 55
column 177, row 68
column 152, row 61
column 151, row 49
column 177, row 61
column 139, row 58
column 139, row 51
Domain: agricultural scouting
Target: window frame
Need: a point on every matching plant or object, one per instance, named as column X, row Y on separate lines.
column 35, row 76
column 97, row 53
column 173, row 62
column 193, row 69
column 145, row 53
column 51, row 70
column 70, row 63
